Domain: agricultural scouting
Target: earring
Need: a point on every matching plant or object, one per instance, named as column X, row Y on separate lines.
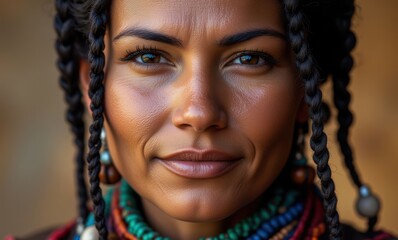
column 301, row 173
column 108, row 173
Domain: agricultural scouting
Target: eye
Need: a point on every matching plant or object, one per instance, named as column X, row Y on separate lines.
column 253, row 58
column 248, row 59
column 146, row 56
column 150, row 58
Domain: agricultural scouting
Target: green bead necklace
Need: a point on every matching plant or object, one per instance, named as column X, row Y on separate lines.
column 128, row 202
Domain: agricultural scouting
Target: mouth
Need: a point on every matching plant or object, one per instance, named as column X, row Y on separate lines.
column 199, row 164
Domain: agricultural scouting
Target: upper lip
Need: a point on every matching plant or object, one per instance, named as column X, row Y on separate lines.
column 199, row 155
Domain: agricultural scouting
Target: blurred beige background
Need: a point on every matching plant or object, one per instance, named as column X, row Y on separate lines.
column 36, row 169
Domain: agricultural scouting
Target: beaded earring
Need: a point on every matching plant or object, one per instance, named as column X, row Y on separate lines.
column 301, row 173
column 108, row 173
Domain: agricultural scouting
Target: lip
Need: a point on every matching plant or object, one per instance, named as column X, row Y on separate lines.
column 195, row 163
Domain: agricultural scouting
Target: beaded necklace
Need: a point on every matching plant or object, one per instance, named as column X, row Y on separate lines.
column 285, row 216
column 129, row 222
column 284, row 219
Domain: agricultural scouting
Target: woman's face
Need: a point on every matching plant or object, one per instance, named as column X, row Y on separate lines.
column 200, row 103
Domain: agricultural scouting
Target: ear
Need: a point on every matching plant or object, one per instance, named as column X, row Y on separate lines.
column 302, row 112
column 84, row 75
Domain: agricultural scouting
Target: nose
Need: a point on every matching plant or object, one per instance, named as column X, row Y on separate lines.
column 199, row 106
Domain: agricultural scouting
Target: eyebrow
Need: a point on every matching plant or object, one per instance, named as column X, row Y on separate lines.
column 226, row 41
column 149, row 35
column 245, row 36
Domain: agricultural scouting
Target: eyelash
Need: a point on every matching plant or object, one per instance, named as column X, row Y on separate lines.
column 131, row 55
column 268, row 59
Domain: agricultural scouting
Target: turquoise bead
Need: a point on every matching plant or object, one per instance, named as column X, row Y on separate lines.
column 364, row 191
column 133, row 218
column 105, row 158
column 149, row 236
column 141, row 232
column 232, row 235
column 137, row 227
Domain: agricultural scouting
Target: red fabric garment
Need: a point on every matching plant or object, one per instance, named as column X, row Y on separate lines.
column 349, row 234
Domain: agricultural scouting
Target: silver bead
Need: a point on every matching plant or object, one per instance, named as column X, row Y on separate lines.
column 79, row 229
column 103, row 134
column 90, row 233
column 368, row 206
column 79, row 226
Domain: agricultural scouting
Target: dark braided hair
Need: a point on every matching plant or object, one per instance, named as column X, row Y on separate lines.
column 96, row 57
column 313, row 96
column 322, row 24
column 67, row 63
column 342, row 96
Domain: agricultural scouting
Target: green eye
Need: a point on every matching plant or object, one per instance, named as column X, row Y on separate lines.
column 248, row 59
column 149, row 58
column 146, row 56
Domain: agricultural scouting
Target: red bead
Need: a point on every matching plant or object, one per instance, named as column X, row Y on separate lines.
column 303, row 175
column 109, row 174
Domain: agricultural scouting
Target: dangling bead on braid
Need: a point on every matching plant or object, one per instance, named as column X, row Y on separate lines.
column 313, row 97
column 342, row 98
column 98, row 20
column 68, row 65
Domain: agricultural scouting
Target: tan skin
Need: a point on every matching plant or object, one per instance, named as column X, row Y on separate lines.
column 241, row 99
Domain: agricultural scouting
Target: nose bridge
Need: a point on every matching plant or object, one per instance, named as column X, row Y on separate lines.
column 201, row 90
column 199, row 103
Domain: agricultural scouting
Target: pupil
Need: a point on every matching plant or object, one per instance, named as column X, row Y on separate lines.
column 150, row 58
column 248, row 59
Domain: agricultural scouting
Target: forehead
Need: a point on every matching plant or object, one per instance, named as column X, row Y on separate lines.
column 196, row 17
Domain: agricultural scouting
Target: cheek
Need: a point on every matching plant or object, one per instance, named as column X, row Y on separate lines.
column 132, row 117
column 267, row 115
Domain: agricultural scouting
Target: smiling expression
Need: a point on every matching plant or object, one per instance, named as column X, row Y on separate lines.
column 200, row 103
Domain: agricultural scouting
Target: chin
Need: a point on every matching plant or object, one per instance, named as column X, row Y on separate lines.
column 205, row 213
column 202, row 207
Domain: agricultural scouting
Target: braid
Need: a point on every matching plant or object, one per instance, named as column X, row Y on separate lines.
column 342, row 97
column 313, row 97
column 98, row 19
column 68, row 66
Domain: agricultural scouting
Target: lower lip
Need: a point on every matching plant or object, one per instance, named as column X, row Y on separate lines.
column 199, row 169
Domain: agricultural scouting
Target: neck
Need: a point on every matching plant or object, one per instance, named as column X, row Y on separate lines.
column 178, row 229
